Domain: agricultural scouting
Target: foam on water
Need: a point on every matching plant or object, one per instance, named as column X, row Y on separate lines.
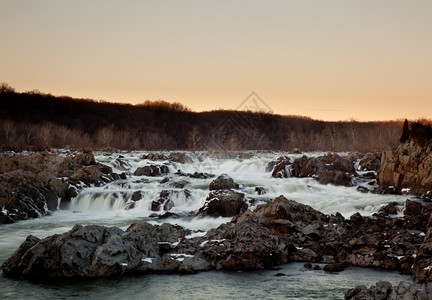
column 106, row 205
column 248, row 172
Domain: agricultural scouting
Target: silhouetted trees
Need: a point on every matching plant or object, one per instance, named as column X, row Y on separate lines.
column 34, row 120
column 405, row 132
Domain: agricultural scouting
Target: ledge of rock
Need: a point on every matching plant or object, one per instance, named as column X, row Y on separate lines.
column 407, row 167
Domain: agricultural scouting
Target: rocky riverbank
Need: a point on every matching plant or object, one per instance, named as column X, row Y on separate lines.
column 33, row 185
column 273, row 234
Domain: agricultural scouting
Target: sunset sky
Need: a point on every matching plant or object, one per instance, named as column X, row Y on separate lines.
column 329, row 60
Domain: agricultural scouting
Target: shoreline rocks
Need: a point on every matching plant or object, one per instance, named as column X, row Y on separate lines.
column 275, row 233
column 32, row 186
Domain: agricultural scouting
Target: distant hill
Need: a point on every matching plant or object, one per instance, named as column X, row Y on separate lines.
column 33, row 120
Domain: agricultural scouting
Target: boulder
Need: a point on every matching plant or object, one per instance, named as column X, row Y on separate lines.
column 335, row 177
column 330, row 168
column 224, row 203
column 223, row 182
column 370, row 162
column 152, row 170
column 279, row 168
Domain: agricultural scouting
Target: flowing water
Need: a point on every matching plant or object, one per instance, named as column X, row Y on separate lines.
column 106, row 205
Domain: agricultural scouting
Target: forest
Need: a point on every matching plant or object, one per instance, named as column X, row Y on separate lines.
column 37, row 121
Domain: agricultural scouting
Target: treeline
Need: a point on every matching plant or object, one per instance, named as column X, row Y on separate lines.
column 35, row 121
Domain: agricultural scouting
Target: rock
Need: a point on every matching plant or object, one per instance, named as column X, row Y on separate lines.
column 390, row 209
column 223, row 182
column 166, row 201
column 260, row 190
column 200, row 175
column 407, row 167
column 273, row 234
column 85, row 158
column 331, row 168
column 224, row 203
column 88, row 174
column 32, row 185
column 384, row 290
column 279, row 168
column 121, row 165
column 152, row 170
column 370, row 162
column 335, row 177
column 305, row 167
column 423, row 262
column 180, row 157
column 336, row 267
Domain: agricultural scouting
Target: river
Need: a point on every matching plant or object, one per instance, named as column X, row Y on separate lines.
column 105, row 205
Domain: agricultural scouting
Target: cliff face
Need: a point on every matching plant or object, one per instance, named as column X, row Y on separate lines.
column 407, row 167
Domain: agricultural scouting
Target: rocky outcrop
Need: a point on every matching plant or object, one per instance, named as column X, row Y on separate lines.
column 408, row 167
column 31, row 186
column 385, row 291
column 275, row 233
column 330, row 168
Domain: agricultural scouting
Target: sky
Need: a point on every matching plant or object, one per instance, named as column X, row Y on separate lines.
column 329, row 60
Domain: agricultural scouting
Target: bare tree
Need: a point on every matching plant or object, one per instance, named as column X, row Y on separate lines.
column 195, row 138
column 352, row 129
column 333, row 135
column 104, row 136
column 8, row 129
column 45, row 133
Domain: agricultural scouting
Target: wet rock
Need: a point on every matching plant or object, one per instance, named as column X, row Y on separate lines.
column 121, row 165
column 260, row 190
column 279, row 168
column 273, row 234
column 390, row 209
column 335, row 177
column 179, row 157
column 336, row 267
column 166, row 197
column 330, row 168
column 151, row 170
column 200, row 175
column 224, row 203
column 32, row 185
column 223, row 182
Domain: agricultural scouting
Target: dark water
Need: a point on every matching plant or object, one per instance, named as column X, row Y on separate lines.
column 297, row 283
